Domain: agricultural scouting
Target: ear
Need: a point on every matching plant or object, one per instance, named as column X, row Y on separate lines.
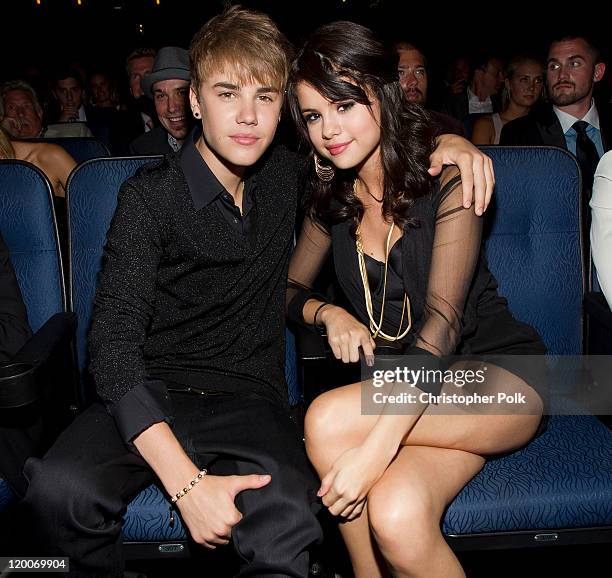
column 194, row 103
column 507, row 84
column 600, row 69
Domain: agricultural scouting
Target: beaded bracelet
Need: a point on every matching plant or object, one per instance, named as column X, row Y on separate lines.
column 189, row 486
column 184, row 491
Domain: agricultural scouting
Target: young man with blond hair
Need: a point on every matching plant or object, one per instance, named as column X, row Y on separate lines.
column 187, row 341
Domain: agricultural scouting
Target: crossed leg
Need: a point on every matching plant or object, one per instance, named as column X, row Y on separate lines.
column 439, row 456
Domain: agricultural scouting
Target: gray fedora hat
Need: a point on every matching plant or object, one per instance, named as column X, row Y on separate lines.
column 170, row 63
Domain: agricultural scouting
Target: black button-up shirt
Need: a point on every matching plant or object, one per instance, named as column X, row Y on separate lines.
column 206, row 189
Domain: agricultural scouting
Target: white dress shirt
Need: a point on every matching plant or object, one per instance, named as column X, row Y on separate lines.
column 601, row 224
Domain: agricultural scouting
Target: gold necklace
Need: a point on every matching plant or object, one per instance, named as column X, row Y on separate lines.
column 367, row 190
column 376, row 328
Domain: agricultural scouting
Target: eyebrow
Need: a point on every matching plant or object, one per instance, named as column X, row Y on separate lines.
column 230, row 86
column 572, row 57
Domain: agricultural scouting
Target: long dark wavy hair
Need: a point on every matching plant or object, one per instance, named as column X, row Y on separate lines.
column 345, row 61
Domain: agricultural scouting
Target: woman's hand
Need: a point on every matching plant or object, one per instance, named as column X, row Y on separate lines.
column 346, row 486
column 346, row 335
column 477, row 177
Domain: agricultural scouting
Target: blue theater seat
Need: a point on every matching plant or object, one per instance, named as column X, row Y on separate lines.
column 29, row 229
column 81, row 149
column 558, row 489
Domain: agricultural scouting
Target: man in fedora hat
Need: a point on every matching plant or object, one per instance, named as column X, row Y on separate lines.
column 168, row 85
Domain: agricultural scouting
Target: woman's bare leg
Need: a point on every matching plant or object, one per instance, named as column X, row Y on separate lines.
column 335, row 423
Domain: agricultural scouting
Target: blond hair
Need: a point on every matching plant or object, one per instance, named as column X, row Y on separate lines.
column 243, row 42
column 6, row 148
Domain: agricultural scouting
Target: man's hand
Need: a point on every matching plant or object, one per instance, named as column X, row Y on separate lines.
column 69, row 113
column 477, row 177
column 209, row 510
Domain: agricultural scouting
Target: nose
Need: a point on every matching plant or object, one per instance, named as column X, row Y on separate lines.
column 330, row 127
column 176, row 103
column 409, row 80
column 247, row 113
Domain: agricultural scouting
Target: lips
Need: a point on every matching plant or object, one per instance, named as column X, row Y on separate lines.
column 244, row 139
column 336, row 149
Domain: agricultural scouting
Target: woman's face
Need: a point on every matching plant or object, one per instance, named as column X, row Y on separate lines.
column 346, row 133
column 525, row 87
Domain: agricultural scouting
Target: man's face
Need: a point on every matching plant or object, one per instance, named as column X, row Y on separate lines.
column 136, row 69
column 19, row 106
column 492, row 76
column 171, row 98
column 571, row 72
column 238, row 120
column 412, row 75
column 69, row 93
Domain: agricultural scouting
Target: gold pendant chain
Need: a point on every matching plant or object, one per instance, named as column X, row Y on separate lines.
column 376, row 328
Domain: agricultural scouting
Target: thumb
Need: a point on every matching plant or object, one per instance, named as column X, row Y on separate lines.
column 326, row 483
column 250, row 482
column 435, row 169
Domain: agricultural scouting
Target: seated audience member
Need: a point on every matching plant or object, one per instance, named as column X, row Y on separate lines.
column 168, row 85
column 573, row 120
column 522, row 89
column 601, row 225
column 68, row 90
column 412, row 71
column 102, row 91
column 480, row 93
column 22, row 116
column 457, row 74
column 51, row 159
column 140, row 108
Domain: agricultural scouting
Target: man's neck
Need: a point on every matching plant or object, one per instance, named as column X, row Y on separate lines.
column 578, row 109
column 478, row 91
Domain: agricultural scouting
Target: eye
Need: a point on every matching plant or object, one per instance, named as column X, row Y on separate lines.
column 265, row 98
column 345, row 106
column 576, row 63
column 401, row 72
column 311, row 117
column 159, row 96
column 420, row 71
column 227, row 95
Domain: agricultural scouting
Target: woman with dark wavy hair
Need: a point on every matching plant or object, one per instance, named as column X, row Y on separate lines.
column 407, row 256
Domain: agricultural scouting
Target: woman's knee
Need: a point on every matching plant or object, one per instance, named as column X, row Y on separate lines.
column 405, row 522
column 321, row 422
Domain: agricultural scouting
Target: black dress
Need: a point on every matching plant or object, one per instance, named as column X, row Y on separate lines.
column 438, row 262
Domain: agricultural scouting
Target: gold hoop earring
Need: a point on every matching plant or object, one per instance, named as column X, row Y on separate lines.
column 325, row 172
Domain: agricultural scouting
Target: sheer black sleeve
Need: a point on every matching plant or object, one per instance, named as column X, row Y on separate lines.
column 456, row 249
column 308, row 257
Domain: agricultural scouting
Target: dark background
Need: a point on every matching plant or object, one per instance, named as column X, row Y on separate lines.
column 106, row 30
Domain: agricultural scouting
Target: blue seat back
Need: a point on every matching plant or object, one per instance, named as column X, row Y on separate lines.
column 81, row 149
column 29, row 228
column 534, row 243
column 91, row 198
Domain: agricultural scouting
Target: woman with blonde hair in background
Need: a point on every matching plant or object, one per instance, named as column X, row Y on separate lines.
column 522, row 90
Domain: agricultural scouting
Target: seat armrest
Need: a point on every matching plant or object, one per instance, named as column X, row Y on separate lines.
column 19, row 384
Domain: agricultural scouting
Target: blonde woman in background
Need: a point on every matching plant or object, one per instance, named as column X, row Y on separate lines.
column 522, row 89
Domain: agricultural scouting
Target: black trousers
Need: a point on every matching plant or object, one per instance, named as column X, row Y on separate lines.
column 79, row 491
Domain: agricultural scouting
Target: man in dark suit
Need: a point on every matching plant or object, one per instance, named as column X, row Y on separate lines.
column 573, row 68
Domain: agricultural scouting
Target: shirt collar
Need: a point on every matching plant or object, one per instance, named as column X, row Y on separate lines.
column 567, row 120
column 203, row 184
